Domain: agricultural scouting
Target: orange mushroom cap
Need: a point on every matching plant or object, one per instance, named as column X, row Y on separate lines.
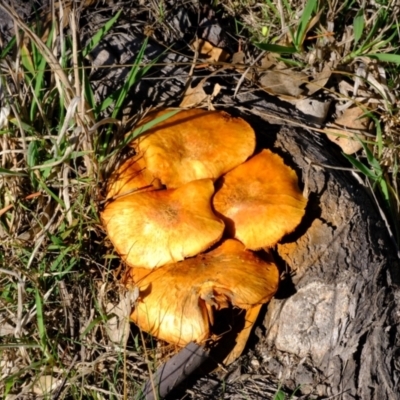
column 194, row 144
column 150, row 229
column 177, row 301
column 131, row 177
column 260, row 201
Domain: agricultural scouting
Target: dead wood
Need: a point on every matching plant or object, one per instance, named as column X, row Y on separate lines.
column 173, row 372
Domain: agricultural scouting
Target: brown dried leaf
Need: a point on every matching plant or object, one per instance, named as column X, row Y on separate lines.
column 238, row 57
column 285, row 83
column 118, row 326
column 320, row 80
column 45, row 385
column 211, row 52
column 352, row 118
column 348, row 129
column 196, row 96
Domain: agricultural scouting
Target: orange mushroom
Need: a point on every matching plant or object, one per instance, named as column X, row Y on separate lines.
column 260, row 201
column 194, row 144
column 153, row 228
column 131, row 177
column 177, row 301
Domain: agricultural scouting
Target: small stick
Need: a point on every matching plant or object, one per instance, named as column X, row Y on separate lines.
column 9, row 207
column 173, row 372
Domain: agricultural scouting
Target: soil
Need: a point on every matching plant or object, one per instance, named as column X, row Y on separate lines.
column 334, row 327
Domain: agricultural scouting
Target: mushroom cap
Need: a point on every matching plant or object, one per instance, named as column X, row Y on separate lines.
column 150, row 229
column 194, row 144
column 131, row 177
column 177, row 301
column 260, row 201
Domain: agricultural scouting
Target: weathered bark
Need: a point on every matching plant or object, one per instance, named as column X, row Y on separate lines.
column 343, row 319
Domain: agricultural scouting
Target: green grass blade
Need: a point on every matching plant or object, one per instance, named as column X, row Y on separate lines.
column 358, row 25
column 7, row 172
column 32, row 154
column 271, row 5
column 40, row 318
column 50, row 193
column 383, row 186
column 373, row 162
column 119, row 95
column 26, row 60
column 361, row 167
column 89, row 94
column 130, row 81
column 379, row 137
column 100, row 34
column 39, row 78
column 279, row 395
column 371, row 34
column 276, row 48
column 386, row 57
column 8, row 48
column 302, row 28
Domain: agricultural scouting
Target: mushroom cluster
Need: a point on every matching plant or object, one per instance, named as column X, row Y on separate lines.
column 193, row 215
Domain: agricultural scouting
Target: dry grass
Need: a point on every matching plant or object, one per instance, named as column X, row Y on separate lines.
column 57, row 282
column 58, row 274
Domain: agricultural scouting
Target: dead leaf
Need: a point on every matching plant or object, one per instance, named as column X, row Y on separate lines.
column 315, row 108
column 211, row 52
column 268, row 61
column 238, row 58
column 196, row 96
column 348, row 129
column 5, row 328
column 118, row 326
column 319, row 81
column 352, row 118
column 346, row 140
column 45, row 385
column 284, row 83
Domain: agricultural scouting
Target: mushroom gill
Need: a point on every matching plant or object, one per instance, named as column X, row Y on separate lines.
column 177, row 302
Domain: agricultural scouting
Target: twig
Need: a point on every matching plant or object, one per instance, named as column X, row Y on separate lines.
column 173, row 372
column 245, row 73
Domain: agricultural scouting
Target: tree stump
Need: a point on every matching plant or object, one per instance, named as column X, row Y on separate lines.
column 339, row 331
